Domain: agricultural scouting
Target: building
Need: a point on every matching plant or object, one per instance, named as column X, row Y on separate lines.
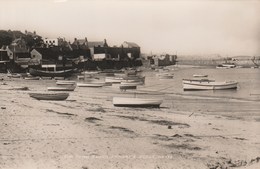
column 164, row 60
column 57, row 58
column 54, row 42
column 4, row 60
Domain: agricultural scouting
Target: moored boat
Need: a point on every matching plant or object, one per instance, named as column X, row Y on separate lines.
column 124, row 87
column 15, row 75
column 65, row 82
column 90, row 84
column 206, row 84
column 62, row 73
column 70, row 88
column 165, row 75
column 32, row 78
column 200, row 75
column 136, row 102
column 49, row 96
column 113, row 79
column 226, row 66
column 132, row 83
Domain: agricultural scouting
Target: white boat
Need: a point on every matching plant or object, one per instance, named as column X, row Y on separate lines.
column 206, row 84
column 200, row 75
column 226, row 66
column 136, row 102
column 90, row 72
column 229, row 65
column 113, row 79
column 90, row 84
column 32, row 78
column 70, row 88
column 15, row 75
column 65, row 82
column 136, row 83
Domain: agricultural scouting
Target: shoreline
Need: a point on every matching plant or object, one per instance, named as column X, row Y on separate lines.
column 87, row 131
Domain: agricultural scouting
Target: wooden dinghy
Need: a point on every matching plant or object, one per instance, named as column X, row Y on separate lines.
column 49, row 96
column 124, row 87
column 165, row 75
column 90, row 84
column 62, row 73
column 136, row 83
column 15, row 75
column 32, row 78
column 58, row 88
column 113, row 79
column 200, row 75
column 206, row 84
column 65, row 82
column 136, row 102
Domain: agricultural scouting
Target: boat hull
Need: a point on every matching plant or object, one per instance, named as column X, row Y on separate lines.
column 126, row 87
column 64, row 82
column 61, row 88
column 208, row 85
column 136, row 102
column 48, row 96
column 64, row 73
column 90, row 84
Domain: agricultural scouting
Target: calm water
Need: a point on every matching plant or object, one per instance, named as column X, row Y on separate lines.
column 248, row 82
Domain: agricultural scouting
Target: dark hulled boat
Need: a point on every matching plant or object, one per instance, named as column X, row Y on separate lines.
column 62, row 73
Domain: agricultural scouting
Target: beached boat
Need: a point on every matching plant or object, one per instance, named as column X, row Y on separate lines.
column 113, row 79
column 136, row 83
column 124, row 87
column 62, row 73
column 131, row 72
column 134, row 79
column 49, row 96
column 200, row 75
column 70, row 88
column 226, row 66
column 90, row 84
column 65, row 82
column 206, row 84
column 32, row 78
column 90, row 72
column 136, row 102
column 15, row 75
column 165, row 75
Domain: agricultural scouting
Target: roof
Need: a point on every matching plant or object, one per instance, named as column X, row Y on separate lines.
column 48, row 53
column 79, row 41
column 56, row 52
column 17, row 49
column 130, row 45
column 96, row 44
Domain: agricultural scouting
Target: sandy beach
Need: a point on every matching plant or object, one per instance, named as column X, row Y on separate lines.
column 87, row 132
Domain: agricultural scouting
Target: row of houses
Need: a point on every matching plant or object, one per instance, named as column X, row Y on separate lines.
column 58, row 53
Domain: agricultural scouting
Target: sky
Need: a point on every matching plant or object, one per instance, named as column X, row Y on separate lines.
column 185, row 27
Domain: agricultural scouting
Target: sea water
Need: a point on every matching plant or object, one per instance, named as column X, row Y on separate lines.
column 248, row 82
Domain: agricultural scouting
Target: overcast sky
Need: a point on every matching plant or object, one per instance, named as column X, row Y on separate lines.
column 226, row 27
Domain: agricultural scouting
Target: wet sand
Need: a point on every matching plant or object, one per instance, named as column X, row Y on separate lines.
column 86, row 131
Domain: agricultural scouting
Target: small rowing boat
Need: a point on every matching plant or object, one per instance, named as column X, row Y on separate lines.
column 165, row 75
column 90, row 84
column 65, row 82
column 206, row 84
column 136, row 102
column 199, row 75
column 49, row 96
column 70, row 88
column 124, row 87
